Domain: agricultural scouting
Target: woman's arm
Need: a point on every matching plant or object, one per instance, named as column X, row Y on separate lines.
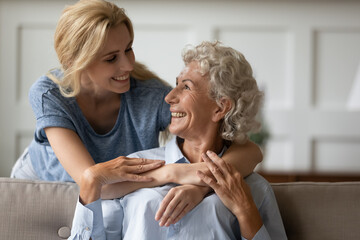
column 244, row 157
column 75, row 158
column 70, row 151
column 68, row 146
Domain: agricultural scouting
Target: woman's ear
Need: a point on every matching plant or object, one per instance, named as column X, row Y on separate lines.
column 224, row 106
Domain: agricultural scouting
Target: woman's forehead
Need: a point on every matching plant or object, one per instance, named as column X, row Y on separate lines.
column 190, row 70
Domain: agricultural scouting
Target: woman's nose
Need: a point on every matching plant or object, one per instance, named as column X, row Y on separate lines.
column 171, row 97
column 126, row 63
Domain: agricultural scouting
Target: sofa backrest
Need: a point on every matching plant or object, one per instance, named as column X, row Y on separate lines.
column 44, row 210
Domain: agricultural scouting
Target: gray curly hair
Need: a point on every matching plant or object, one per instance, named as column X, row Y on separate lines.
column 230, row 76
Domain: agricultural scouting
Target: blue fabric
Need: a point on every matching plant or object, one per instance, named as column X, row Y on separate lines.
column 132, row 217
column 143, row 113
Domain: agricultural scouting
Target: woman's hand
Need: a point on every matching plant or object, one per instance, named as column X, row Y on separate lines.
column 178, row 202
column 117, row 170
column 233, row 191
column 123, row 169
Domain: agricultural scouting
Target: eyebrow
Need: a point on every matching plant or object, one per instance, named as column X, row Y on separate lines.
column 185, row 80
column 188, row 80
column 110, row 53
column 116, row 51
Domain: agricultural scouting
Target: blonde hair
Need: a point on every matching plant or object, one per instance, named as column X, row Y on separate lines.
column 80, row 34
column 230, row 76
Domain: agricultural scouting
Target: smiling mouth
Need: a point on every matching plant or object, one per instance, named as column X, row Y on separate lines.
column 178, row 114
column 121, row 78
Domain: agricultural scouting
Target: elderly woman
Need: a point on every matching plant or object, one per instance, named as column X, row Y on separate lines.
column 215, row 102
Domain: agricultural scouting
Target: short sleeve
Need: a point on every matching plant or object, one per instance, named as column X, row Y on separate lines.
column 51, row 109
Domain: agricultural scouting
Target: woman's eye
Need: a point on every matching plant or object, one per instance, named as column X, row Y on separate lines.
column 112, row 59
column 129, row 50
column 186, row 87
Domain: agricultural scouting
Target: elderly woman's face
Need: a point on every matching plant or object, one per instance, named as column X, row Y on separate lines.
column 190, row 105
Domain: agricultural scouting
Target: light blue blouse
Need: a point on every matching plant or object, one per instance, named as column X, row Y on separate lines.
column 132, row 217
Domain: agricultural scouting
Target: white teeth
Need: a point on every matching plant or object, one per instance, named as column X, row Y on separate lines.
column 178, row 115
column 121, row 78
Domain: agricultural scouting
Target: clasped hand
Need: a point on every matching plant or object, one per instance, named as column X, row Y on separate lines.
column 117, row 170
column 233, row 191
column 228, row 184
column 123, row 169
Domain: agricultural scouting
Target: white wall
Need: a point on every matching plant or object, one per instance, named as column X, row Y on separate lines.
column 305, row 55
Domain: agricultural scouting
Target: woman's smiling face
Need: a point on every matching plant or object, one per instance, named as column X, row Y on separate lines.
column 110, row 72
column 190, row 105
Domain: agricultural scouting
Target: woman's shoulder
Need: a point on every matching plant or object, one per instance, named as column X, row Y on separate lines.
column 258, row 182
column 44, row 84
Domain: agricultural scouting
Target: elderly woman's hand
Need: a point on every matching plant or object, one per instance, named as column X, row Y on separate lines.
column 178, row 202
column 233, row 191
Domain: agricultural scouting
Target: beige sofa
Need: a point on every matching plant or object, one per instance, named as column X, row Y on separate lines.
column 44, row 210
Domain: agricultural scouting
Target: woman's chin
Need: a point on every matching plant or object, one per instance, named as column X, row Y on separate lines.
column 175, row 130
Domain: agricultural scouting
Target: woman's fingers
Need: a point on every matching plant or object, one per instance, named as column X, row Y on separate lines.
column 142, row 161
column 141, row 168
column 220, row 163
column 177, row 203
column 164, row 203
column 221, row 170
column 182, row 214
column 208, row 180
column 213, row 166
column 171, row 208
column 179, row 212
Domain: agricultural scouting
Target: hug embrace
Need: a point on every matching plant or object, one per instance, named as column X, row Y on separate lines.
column 98, row 122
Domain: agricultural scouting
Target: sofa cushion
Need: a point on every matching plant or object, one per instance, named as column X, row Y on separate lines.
column 36, row 209
column 319, row 210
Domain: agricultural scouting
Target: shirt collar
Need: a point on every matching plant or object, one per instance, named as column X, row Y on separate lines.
column 173, row 153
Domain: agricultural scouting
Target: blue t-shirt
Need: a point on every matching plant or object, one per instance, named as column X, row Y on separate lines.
column 143, row 114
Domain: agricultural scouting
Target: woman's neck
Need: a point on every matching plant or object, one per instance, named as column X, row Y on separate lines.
column 101, row 113
column 192, row 149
